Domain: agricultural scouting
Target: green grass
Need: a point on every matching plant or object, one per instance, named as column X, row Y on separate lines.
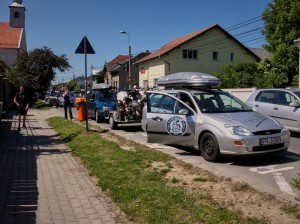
column 141, row 192
column 42, row 105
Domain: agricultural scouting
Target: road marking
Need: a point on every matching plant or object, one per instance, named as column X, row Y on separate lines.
column 269, row 169
column 283, row 184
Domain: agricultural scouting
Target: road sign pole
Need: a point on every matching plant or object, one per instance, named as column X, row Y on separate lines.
column 85, row 48
column 85, row 67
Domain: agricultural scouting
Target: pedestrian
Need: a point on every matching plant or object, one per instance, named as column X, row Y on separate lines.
column 67, row 105
column 22, row 102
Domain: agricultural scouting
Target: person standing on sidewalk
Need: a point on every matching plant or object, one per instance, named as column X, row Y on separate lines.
column 22, row 102
column 67, row 105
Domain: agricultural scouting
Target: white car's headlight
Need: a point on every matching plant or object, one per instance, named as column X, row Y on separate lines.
column 238, row 130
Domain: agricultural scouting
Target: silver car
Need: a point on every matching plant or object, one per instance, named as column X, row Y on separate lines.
column 281, row 104
column 213, row 121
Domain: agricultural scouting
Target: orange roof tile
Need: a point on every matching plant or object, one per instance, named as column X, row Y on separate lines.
column 175, row 43
column 9, row 37
column 119, row 58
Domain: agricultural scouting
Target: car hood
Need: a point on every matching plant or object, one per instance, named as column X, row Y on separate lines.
column 252, row 121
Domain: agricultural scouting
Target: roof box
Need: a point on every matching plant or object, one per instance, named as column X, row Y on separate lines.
column 101, row 86
column 188, row 79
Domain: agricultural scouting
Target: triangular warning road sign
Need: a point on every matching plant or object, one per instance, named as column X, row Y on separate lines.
column 88, row 49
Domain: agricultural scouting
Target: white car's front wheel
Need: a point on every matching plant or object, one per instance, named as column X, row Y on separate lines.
column 209, row 147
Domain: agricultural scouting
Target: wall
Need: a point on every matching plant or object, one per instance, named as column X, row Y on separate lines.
column 8, row 56
column 243, row 93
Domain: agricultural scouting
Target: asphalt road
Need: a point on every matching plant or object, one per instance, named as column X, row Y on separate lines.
column 272, row 174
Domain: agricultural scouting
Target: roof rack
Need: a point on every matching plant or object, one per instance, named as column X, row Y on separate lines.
column 188, row 80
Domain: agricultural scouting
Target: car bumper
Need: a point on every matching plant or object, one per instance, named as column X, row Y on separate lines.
column 251, row 145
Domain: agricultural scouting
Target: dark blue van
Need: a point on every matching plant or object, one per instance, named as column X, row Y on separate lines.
column 100, row 101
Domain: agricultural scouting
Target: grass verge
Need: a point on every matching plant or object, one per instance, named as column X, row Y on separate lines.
column 42, row 105
column 141, row 192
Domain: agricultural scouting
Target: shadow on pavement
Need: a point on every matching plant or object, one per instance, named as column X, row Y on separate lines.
column 18, row 170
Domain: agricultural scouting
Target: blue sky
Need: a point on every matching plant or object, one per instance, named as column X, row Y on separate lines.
column 60, row 25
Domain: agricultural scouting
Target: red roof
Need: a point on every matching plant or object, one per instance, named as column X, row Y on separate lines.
column 175, row 43
column 119, row 58
column 9, row 37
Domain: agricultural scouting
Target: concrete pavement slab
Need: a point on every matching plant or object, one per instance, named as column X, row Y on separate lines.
column 40, row 181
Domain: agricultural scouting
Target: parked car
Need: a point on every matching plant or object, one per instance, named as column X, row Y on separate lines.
column 53, row 98
column 61, row 99
column 213, row 121
column 281, row 104
column 100, row 101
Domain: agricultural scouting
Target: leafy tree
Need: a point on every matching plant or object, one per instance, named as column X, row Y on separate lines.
column 3, row 67
column 99, row 78
column 36, row 69
column 238, row 76
column 72, row 85
column 282, row 19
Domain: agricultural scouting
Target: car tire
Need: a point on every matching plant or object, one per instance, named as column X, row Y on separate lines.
column 97, row 118
column 112, row 123
column 209, row 147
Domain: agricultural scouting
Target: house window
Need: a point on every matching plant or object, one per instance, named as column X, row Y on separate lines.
column 17, row 15
column 145, row 84
column 125, row 67
column 155, row 83
column 190, row 54
column 232, row 57
column 215, row 56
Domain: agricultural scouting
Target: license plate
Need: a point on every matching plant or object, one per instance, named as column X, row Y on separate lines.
column 269, row 141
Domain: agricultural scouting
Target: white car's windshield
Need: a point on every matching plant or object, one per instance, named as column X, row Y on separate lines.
column 219, row 102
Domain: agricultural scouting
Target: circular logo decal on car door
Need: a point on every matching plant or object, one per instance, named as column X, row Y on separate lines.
column 176, row 126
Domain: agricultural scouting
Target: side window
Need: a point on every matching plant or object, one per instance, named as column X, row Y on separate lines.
column 185, row 98
column 161, row 104
column 284, row 98
column 266, row 97
column 91, row 96
column 17, row 15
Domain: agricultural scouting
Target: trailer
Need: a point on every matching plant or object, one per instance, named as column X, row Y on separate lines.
column 128, row 112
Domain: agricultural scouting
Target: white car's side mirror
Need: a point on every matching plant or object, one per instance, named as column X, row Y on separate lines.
column 294, row 104
column 184, row 111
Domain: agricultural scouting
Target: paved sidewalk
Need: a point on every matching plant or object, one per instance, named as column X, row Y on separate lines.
column 40, row 182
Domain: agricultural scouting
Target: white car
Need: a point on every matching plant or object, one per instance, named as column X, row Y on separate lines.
column 190, row 112
column 281, row 104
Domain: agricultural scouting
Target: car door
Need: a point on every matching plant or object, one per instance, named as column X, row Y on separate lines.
column 165, row 122
column 91, row 103
column 265, row 102
column 288, row 115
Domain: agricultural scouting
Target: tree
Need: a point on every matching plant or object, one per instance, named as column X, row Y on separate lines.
column 72, row 85
column 282, row 19
column 238, row 76
column 36, row 69
column 99, row 78
column 3, row 67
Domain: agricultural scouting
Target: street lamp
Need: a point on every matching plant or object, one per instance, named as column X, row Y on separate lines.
column 129, row 49
column 297, row 43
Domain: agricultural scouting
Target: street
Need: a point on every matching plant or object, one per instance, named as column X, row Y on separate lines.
column 272, row 174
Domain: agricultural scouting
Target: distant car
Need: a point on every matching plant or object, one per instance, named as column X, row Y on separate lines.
column 100, row 101
column 281, row 104
column 61, row 99
column 53, row 98
column 191, row 113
